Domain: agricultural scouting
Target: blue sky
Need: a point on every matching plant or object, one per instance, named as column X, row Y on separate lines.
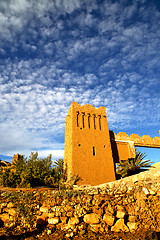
column 53, row 52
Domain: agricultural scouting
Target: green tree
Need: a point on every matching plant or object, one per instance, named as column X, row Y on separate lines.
column 38, row 170
column 20, row 165
column 10, row 178
column 29, row 172
column 33, row 172
column 133, row 165
column 58, row 170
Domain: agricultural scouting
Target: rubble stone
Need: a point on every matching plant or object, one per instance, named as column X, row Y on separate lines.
column 53, row 220
column 120, row 214
column 132, row 226
column 120, row 226
column 120, row 206
column 109, row 219
column 44, row 209
column 73, row 221
column 92, row 218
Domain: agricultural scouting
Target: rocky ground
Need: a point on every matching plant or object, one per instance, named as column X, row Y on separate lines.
column 121, row 210
column 49, row 233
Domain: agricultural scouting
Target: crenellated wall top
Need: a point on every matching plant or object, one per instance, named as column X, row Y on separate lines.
column 144, row 141
column 87, row 109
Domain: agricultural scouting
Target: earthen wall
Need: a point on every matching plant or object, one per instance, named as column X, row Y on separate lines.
column 88, row 151
column 144, row 141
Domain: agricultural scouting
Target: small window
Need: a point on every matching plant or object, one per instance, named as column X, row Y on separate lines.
column 83, row 119
column 94, row 151
column 100, row 122
column 77, row 119
column 89, row 121
column 94, row 121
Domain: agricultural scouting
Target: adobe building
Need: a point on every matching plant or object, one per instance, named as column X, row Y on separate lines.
column 88, row 151
column 91, row 150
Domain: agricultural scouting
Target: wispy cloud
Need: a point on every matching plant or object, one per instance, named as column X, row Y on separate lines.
column 56, row 52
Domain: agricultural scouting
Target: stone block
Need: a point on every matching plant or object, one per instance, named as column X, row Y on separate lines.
column 44, row 209
column 95, row 227
column 132, row 226
column 92, row 218
column 4, row 217
column 145, row 190
column 73, row 221
column 12, row 211
column 120, row 214
column 109, row 219
column 120, row 226
column 54, row 220
column 10, row 205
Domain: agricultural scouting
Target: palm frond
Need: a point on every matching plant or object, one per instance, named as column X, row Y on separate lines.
column 133, row 165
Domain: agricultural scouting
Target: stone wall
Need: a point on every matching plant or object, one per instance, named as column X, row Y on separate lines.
column 121, row 206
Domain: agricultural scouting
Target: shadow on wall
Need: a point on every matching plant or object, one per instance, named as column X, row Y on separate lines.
column 114, row 152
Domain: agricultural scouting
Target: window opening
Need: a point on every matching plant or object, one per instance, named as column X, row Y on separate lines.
column 94, row 120
column 100, row 122
column 77, row 119
column 83, row 119
column 94, row 151
column 89, row 121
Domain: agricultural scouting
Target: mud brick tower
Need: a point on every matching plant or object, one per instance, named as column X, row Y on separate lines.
column 88, row 151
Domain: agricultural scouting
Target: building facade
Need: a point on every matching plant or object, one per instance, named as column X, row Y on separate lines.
column 88, row 152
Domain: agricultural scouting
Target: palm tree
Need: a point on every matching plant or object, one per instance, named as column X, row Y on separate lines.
column 58, row 166
column 133, row 165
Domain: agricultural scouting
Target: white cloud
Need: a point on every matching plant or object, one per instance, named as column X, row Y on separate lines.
column 67, row 6
column 56, row 154
column 95, row 55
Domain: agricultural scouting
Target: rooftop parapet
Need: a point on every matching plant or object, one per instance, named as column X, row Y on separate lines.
column 144, row 141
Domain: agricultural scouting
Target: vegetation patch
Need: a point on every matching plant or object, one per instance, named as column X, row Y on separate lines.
column 32, row 172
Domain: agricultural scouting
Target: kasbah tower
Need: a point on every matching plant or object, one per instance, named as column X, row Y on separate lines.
column 88, row 151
